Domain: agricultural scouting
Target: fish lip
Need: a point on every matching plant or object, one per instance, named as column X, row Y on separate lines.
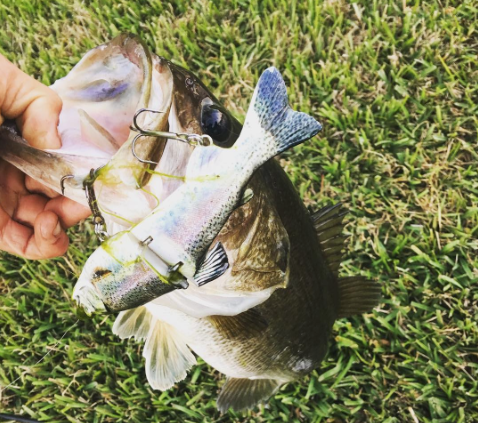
column 129, row 43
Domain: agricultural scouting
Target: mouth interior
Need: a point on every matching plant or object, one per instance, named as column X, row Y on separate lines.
column 102, row 93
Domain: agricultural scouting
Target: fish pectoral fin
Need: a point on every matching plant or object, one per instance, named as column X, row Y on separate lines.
column 247, row 196
column 247, row 324
column 168, row 358
column 213, row 266
column 328, row 223
column 243, row 394
column 133, row 323
column 357, row 295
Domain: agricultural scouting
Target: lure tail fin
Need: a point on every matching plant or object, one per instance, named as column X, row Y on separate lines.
column 270, row 110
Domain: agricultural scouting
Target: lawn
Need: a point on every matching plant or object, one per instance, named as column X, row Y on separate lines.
column 395, row 84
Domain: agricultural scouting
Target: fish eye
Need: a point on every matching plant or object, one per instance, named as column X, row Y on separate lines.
column 215, row 122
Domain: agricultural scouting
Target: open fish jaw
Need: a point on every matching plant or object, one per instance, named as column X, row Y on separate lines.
column 100, row 96
column 106, row 86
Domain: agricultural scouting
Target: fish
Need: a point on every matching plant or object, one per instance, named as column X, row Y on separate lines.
column 174, row 238
column 267, row 320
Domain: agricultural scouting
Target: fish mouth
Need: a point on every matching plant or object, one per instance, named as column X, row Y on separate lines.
column 156, row 165
column 101, row 96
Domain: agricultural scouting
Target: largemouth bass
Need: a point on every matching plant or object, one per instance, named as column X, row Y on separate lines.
column 268, row 319
column 179, row 231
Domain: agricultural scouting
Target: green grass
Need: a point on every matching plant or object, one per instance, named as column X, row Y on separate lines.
column 395, row 84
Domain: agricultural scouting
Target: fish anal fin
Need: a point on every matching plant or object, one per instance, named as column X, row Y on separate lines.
column 357, row 295
column 248, row 324
column 244, row 394
column 213, row 266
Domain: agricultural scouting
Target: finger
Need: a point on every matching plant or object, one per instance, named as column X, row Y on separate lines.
column 28, row 208
column 45, row 240
column 69, row 211
column 12, row 178
column 38, row 124
column 35, row 106
column 37, row 187
column 11, row 187
column 49, row 238
column 14, row 236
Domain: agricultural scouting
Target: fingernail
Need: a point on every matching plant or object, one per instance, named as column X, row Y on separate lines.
column 57, row 230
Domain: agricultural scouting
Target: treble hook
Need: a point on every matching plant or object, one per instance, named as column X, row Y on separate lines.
column 62, row 182
column 191, row 139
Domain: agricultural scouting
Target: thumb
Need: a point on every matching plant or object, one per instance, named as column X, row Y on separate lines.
column 35, row 107
column 38, row 123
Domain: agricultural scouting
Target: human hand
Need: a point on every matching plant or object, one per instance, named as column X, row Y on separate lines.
column 32, row 217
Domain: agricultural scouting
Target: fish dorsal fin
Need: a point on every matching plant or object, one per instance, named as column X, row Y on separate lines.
column 357, row 295
column 93, row 133
column 133, row 323
column 168, row 358
column 243, row 394
column 328, row 223
column 247, row 324
column 214, row 265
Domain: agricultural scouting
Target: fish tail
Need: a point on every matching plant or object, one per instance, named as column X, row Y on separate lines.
column 270, row 109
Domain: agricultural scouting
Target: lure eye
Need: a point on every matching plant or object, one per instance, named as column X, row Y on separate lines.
column 215, row 123
column 101, row 273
